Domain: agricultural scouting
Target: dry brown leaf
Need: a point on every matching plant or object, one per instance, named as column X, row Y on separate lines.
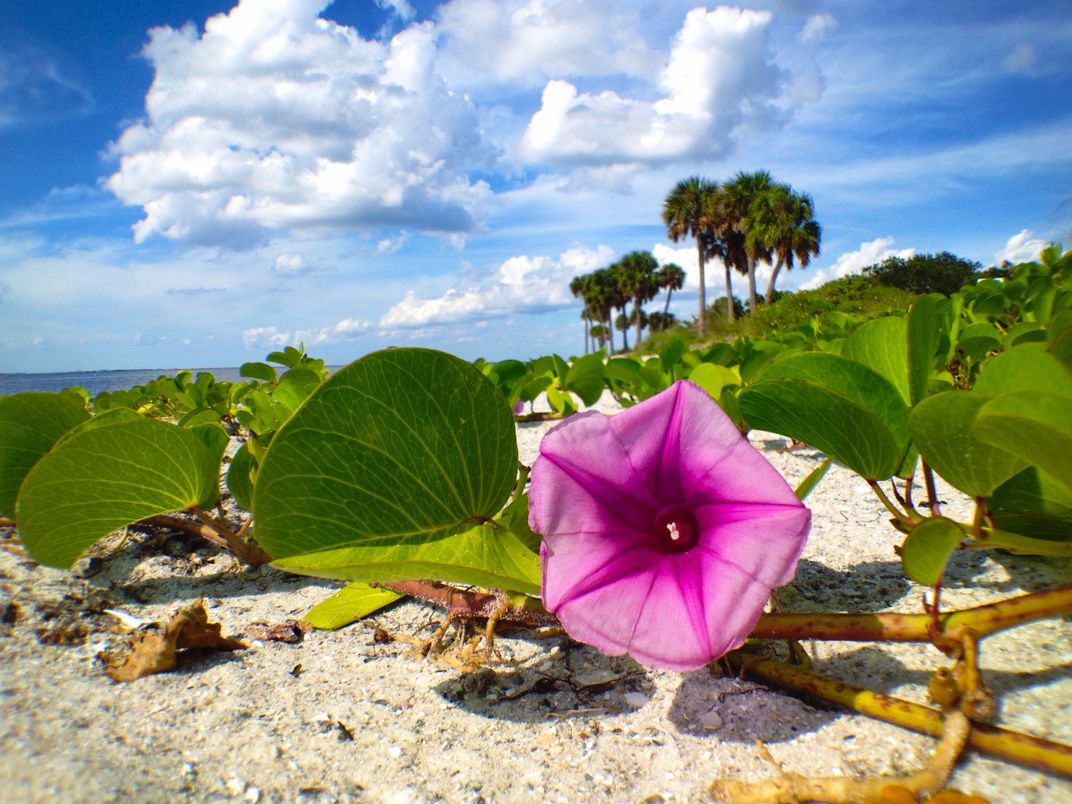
column 155, row 652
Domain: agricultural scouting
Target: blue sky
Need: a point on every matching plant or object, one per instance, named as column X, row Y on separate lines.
column 189, row 184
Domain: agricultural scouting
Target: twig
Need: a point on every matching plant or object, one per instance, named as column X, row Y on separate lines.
column 905, row 519
column 6, row 523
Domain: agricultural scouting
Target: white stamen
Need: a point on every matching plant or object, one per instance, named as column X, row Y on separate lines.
column 675, row 534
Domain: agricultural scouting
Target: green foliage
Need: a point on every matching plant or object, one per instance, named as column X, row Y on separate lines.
column 99, row 478
column 349, row 604
column 926, row 273
column 411, row 467
column 839, row 406
column 400, row 465
column 928, row 547
column 30, row 424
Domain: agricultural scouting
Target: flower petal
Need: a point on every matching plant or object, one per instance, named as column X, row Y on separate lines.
column 584, row 481
column 765, row 541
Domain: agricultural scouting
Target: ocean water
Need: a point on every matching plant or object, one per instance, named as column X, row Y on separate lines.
column 97, row 381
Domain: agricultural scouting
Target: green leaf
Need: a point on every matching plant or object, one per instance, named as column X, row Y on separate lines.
column 925, row 324
column 942, row 431
column 100, row 478
column 240, row 477
column 671, row 353
column 836, row 405
column 484, row 555
column 30, row 423
column 881, row 345
column 713, row 378
column 927, row 549
column 808, row 484
column 1035, row 425
column 1027, row 367
column 351, row 603
column 257, row 371
column 1035, row 504
column 585, row 378
column 399, row 449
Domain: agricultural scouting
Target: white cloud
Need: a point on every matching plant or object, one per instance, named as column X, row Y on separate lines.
column 276, row 118
column 271, row 337
column 1021, row 247
column 289, row 265
column 852, row 262
column 401, row 7
column 528, row 41
column 520, row 284
column 719, row 77
column 817, row 27
column 265, row 337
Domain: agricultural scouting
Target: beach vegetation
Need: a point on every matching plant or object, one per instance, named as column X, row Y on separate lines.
column 399, row 474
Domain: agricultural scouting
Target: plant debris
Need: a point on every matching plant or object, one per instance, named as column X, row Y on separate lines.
column 153, row 652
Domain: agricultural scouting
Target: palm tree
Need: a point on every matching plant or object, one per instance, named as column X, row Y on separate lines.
column 671, row 277
column 719, row 242
column 749, row 245
column 684, row 213
column 785, row 220
column 579, row 287
column 638, row 281
column 604, row 298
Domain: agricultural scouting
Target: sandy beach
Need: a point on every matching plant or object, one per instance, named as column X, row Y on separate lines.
column 354, row 715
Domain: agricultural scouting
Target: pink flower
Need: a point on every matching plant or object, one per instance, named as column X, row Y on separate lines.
column 664, row 530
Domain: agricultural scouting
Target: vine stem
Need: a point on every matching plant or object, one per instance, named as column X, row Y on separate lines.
column 905, row 519
column 6, row 523
column 211, row 529
column 987, row 739
column 932, row 489
column 899, row 627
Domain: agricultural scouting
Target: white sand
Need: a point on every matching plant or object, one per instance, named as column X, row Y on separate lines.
column 365, row 720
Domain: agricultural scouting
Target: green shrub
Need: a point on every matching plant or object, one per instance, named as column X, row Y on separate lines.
column 926, row 273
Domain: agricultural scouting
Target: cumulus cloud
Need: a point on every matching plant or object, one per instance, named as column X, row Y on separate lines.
column 265, row 337
column 521, row 284
column 276, row 118
column 719, row 77
column 852, row 262
column 527, row 41
column 273, row 337
column 1021, row 247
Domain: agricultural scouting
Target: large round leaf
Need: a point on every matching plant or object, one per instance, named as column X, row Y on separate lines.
column 1035, row 425
column 103, row 476
column 30, row 424
column 942, row 431
column 881, row 345
column 1027, row 367
column 401, row 447
column 836, row 405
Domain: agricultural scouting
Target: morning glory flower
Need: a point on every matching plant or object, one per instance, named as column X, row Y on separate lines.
column 664, row 530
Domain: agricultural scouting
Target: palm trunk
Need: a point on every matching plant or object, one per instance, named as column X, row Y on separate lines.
column 701, row 322
column 586, row 336
column 730, row 316
column 625, row 332
column 769, row 298
column 610, row 330
column 639, row 325
column 666, row 307
column 751, row 285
